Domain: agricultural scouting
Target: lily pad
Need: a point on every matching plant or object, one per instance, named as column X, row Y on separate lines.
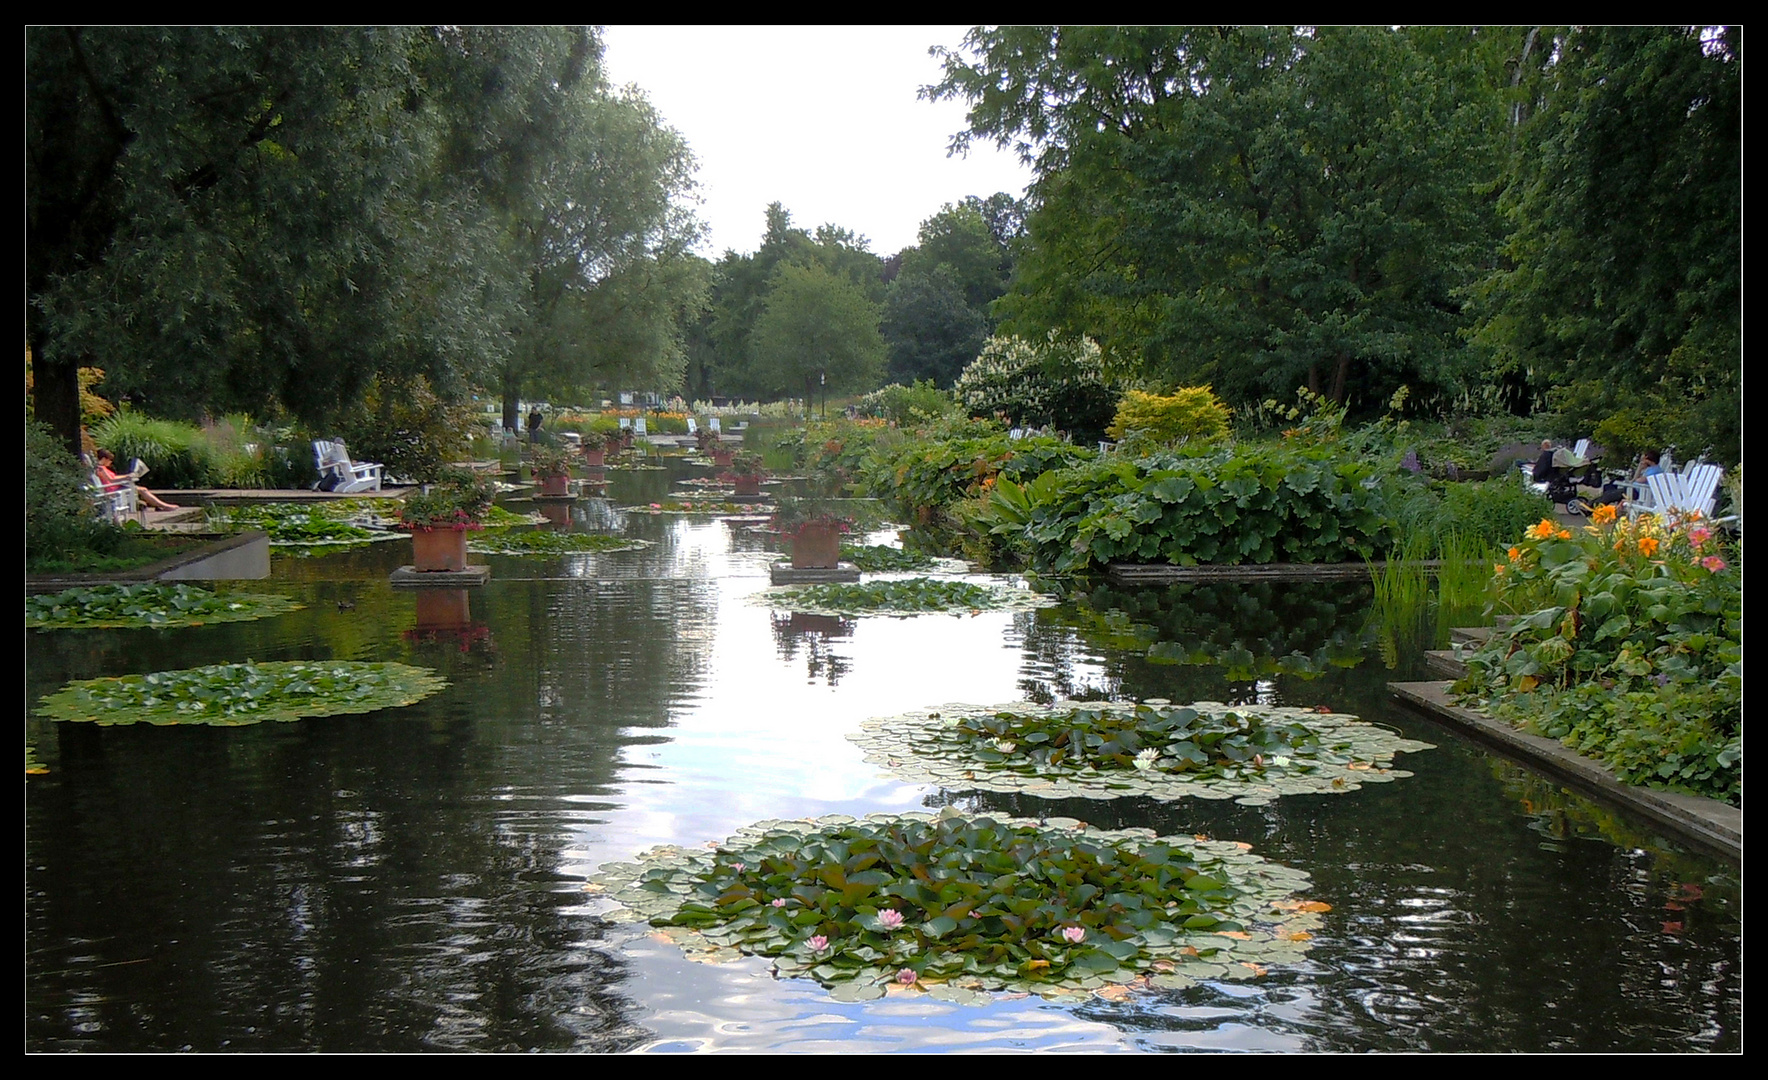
column 232, row 695
column 550, row 543
column 1104, row 750
column 149, row 605
column 963, row 905
column 906, row 596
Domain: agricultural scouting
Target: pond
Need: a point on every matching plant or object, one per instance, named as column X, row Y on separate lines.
column 413, row 879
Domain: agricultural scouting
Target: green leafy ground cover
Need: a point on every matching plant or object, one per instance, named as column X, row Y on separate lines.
column 882, row 558
column 149, row 604
column 550, row 543
column 907, row 596
column 233, row 695
column 130, row 550
column 1104, row 750
column 958, row 906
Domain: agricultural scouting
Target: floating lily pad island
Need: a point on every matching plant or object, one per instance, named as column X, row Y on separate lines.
column 958, row 906
column 1105, row 750
column 150, row 604
column 233, row 695
column 904, row 596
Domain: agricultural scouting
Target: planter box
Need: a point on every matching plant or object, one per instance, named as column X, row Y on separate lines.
column 596, row 458
column 816, row 547
column 436, row 550
column 556, row 485
column 747, row 485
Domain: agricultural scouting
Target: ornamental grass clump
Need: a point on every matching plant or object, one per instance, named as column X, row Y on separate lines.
column 1627, row 647
column 958, row 905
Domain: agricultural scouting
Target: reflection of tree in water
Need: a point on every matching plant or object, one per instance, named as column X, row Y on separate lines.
column 1236, row 642
column 814, row 633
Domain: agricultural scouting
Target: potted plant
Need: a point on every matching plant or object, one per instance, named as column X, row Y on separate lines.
column 439, row 516
column 747, row 473
column 595, row 447
column 552, row 468
column 815, row 532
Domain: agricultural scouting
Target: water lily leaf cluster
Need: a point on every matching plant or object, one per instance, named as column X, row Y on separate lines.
column 705, row 506
column 233, row 695
column 882, row 558
column 959, row 906
column 149, row 604
column 1103, row 750
column 542, row 543
column 906, row 596
column 345, row 521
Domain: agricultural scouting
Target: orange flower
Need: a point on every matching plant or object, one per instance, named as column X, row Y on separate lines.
column 1648, row 546
column 1603, row 514
column 1515, row 554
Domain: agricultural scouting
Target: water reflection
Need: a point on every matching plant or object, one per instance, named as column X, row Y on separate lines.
column 411, row 880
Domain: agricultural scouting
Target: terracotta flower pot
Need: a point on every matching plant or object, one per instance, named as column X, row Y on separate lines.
column 723, row 458
column 596, row 458
column 556, row 485
column 439, row 549
column 817, row 546
column 747, row 485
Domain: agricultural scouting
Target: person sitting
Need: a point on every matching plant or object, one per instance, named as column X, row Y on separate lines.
column 1614, row 493
column 112, row 480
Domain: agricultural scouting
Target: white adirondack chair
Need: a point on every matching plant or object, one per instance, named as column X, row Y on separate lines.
column 116, row 501
column 693, row 428
column 348, row 476
column 638, row 428
column 626, row 421
column 712, row 423
column 1692, row 492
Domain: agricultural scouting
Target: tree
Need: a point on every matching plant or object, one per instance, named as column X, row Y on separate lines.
column 960, row 239
column 1622, row 285
column 241, row 218
column 1253, row 208
column 816, row 330
column 929, row 329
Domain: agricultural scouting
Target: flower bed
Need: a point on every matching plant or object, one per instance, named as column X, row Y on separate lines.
column 958, row 906
column 232, row 695
column 149, row 604
column 1629, row 649
column 1103, row 750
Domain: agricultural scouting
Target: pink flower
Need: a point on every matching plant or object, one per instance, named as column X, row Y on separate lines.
column 890, row 919
column 779, row 903
column 737, row 866
column 817, row 942
column 1713, row 563
column 1073, row 934
column 1699, row 535
column 906, row 976
column 656, row 506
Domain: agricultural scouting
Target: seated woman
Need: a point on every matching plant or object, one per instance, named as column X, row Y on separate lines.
column 111, row 480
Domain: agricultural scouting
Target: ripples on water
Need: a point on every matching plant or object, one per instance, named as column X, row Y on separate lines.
column 411, row 880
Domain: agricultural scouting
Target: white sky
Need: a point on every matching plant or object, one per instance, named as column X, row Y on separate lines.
column 823, row 120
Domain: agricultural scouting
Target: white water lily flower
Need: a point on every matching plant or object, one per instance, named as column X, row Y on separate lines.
column 1280, row 762
column 1146, row 758
column 1005, row 746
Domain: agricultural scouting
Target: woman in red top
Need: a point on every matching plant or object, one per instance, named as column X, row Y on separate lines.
column 108, row 477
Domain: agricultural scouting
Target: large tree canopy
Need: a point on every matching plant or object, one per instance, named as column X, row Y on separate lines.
column 1256, row 208
column 816, row 331
column 254, row 218
column 1623, row 278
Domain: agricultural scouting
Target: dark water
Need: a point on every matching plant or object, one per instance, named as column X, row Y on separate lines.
column 411, row 880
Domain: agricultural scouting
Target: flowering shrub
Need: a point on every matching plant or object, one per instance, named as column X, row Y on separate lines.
column 1629, row 649
column 460, row 503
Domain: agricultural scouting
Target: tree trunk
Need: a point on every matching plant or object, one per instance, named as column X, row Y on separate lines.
column 1340, row 376
column 512, row 400
column 55, row 398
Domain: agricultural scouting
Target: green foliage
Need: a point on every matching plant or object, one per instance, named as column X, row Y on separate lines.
column 1628, row 647
column 548, row 460
column 1057, row 381
column 59, row 514
column 816, row 333
column 295, row 524
column 1486, row 513
column 1104, row 750
column 882, row 558
column 929, row 329
column 458, row 502
column 233, row 695
column 1192, row 415
column 1253, row 505
column 408, row 428
column 176, row 451
column 920, row 403
column 982, row 903
column 908, row 595
column 542, row 543
column 152, row 604
column 1622, row 279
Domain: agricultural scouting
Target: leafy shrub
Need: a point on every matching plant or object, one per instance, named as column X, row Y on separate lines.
column 1486, row 513
column 1058, row 381
column 915, row 404
column 59, row 515
column 406, row 427
column 1629, row 650
column 1258, row 505
column 1192, row 415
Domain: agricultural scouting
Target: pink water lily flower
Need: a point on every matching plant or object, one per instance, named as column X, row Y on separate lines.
column 1073, row 934
column 906, row 976
column 890, row 919
column 779, row 903
column 817, row 942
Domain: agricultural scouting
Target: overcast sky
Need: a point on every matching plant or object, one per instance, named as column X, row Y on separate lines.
column 824, row 120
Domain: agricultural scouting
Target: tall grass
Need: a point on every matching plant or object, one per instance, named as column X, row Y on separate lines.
column 1415, row 600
